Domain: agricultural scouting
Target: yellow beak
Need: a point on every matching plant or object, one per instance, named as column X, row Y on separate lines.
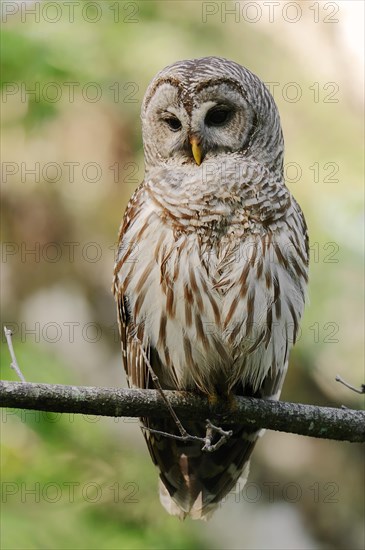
column 196, row 150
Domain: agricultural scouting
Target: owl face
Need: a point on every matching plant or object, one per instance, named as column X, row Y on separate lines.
column 217, row 120
column 197, row 110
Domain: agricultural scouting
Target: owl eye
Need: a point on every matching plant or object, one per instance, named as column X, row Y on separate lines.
column 173, row 123
column 218, row 116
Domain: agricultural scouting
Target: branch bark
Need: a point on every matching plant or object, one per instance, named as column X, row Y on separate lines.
column 310, row 420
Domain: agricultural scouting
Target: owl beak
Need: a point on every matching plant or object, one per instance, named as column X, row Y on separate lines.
column 196, row 149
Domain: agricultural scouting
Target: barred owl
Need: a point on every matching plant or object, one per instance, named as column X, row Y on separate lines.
column 211, row 269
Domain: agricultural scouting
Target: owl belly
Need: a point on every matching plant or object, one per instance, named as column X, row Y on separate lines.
column 213, row 320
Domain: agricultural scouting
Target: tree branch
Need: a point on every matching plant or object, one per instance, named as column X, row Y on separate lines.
column 310, row 420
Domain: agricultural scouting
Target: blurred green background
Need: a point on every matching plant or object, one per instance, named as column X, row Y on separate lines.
column 73, row 78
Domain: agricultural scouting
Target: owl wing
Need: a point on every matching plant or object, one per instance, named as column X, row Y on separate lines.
column 130, row 335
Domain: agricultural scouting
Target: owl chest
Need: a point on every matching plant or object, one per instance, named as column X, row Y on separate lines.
column 178, row 287
column 206, row 309
column 176, row 276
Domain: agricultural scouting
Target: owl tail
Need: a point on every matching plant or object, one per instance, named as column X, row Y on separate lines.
column 198, row 510
column 194, row 482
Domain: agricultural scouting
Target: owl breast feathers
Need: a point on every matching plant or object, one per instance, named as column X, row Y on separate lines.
column 212, row 264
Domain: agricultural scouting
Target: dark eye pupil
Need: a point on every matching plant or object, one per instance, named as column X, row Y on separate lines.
column 217, row 116
column 173, row 123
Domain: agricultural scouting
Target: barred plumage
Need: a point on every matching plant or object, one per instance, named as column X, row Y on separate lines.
column 212, row 264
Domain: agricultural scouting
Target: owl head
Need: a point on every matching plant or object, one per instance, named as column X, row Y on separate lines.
column 205, row 109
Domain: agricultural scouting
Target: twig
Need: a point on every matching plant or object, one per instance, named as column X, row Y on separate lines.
column 250, row 413
column 350, row 386
column 207, row 440
column 185, row 436
column 211, row 428
column 14, row 363
column 183, row 432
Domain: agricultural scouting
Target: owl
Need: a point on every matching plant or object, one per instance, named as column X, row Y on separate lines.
column 211, row 269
